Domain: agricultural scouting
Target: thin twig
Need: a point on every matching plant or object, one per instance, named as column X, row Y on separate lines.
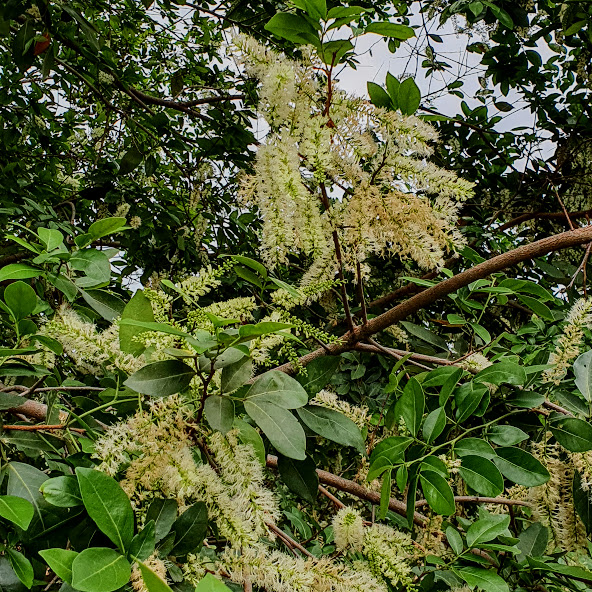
column 329, row 495
column 357, row 490
column 361, row 294
column 37, row 427
column 348, row 315
column 288, row 538
column 476, row 499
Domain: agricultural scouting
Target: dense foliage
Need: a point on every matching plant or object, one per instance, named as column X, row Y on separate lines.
column 261, row 334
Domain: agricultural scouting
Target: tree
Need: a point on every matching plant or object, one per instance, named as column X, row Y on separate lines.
column 363, row 301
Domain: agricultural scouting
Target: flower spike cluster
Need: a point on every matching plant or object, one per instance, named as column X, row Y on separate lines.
column 333, row 164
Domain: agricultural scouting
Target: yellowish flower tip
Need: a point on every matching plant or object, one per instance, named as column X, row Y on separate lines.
column 90, row 350
column 552, row 503
column 568, row 344
column 387, row 552
column 359, row 415
column 277, row 572
column 348, row 530
column 155, row 564
column 396, row 202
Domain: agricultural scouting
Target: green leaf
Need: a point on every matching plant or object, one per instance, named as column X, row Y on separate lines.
column 534, row 540
column 476, row 446
column 190, row 529
column 300, row 476
column 265, row 328
column 279, row 425
column 485, row 579
column 219, row 412
column 17, row 510
column 99, row 569
column 18, row 271
column 24, row 481
column 583, row 371
column 278, row 388
column 108, row 505
column 481, row 475
column 60, row 562
column 573, row 434
column 385, row 494
column 247, row 434
column 255, row 265
column 106, row 227
column 520, row 466
column 582, row 502
column 211, row 584
column 525, row 399
column 333, row 425
column 378, row 96
column 94, row 265
column 143, row 544
column 317, row 9
column 318, row 374
column 411, row 405
column 434, row 424
column 65, row 285
column 505, row 107
column 455, row 540
column 467, row 398
column 139, row 309
column 62, row 491
column 503, row 17
column 391, row 448
column 161, row 379
column 535, row 305
column 332, row 52
column 163, row 512
column 392, row 87
column 152, row 581
column 449, row 385
column 409, row 98
column 294, row 28
column 236, row 374
column 502, row 372
column 417, row 330
column 392, row 30
column 130, row 160
column 22, row 567
column 481, row 332
column 107, row 305
column 437, row 492
column 50, row 238
column 21, row 299
column 506, row 435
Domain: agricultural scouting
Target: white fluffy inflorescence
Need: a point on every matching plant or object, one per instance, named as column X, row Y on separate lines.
column 336, row 157
column 568, row 345
column 89, row 349
column 348, row 529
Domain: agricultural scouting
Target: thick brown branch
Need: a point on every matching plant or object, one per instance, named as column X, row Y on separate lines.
column 476, row 499
column 401, row 353
column 416, row 303
column 357, row 490
column 556, row 216
column 38, row 427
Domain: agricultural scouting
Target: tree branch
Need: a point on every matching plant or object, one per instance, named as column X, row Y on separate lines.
column 357, row 490
column 416, row 303
column 558, row 216
column 476, row 499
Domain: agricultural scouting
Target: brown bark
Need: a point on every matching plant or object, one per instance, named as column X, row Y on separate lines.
column 357, row 490
column 416, row 303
